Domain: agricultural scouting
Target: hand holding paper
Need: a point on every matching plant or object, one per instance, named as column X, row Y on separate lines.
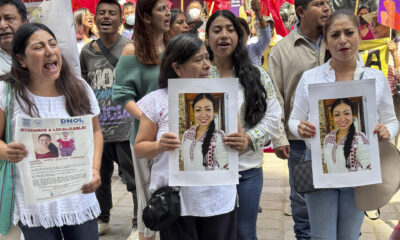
column 15, row 152
column 94, row 184
column 382, row 131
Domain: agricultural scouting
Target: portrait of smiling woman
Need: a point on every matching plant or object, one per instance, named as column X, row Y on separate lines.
column 45, row 148
column 203, row 146
column 345, row 149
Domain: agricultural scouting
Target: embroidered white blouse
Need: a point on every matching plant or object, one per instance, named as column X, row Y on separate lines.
column 359, row 157
column 217, row 155
column 195, row 201
column 263, row 131
column 75, row 209
column 324, row 74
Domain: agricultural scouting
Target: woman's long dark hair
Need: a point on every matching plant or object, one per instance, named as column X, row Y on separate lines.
column 179, row 49
column 352, row 129
column 79, row 28
column 77, row 100
column 249, row 76
column 52, row 148
column 211, row 127
column 145, row 46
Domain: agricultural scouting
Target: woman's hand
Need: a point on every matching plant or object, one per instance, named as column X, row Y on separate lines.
column 94, row 184
column 382, row 131
column 238, row 141
column 306, row 129
column 168, row 142
column 15, row 152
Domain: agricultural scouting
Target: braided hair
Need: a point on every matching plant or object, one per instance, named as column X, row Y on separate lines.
column 211, row 127
column 352, row 130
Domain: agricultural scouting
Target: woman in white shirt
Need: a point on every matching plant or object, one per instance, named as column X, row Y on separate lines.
column 203, row 146
column 345, row 149
column 207, row 212
column 44, row 86
column 332, row 213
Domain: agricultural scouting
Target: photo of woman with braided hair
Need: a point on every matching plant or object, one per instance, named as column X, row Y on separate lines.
column 345, row 148
column 203, row 145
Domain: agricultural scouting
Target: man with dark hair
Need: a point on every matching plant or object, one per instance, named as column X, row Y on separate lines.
column 98, row 60
column 13, row 14
column 128, row 10
column 301, row 50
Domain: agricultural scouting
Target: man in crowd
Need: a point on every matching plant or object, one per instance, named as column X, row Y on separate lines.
column 301, row 50
column 13, row 14
column 128, row 10
column 98, row 60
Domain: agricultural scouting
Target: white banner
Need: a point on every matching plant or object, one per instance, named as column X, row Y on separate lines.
column 60, row 155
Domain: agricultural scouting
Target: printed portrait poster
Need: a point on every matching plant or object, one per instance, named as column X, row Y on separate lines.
column 202, row 112
column 58, row 16
column 344, row 150
column 60, row 155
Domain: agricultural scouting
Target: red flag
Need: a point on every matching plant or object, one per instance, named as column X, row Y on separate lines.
column 90, row 4
column 272, row 7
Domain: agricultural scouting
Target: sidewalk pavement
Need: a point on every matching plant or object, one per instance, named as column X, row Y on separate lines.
column 272, row 223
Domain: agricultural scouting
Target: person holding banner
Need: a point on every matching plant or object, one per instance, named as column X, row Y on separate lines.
column 207, row 212
column 259, row 111
column 332, row 213
column 393, row 77
column 44, row 86
column 136, row 75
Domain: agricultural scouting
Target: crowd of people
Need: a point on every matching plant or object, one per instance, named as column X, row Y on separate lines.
column 127, row 55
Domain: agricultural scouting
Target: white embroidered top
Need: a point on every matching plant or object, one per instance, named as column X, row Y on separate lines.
column 191, row 150
column 264, row 130
column 195, row 201
column 324, row 74
column 72, row 210
column 359, row 157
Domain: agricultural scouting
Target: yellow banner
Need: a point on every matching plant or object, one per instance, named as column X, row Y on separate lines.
column 375, row 54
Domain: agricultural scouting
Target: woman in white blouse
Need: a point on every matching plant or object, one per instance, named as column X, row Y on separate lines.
column 203, row 146
column 345, row 149
column 44, row 86
column 332, row 213
column 207, row 212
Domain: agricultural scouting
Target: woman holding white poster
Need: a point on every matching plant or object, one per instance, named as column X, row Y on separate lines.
column 203, row 146
column 44, row 86
column 345, row 150
column 207, row 212
column 332, row 213
column 259, row 111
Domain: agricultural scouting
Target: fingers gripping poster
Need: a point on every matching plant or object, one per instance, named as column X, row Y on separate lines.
column 58, row 16
column 60, row 153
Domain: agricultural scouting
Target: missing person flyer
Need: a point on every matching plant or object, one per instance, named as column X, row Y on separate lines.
column 60, row 155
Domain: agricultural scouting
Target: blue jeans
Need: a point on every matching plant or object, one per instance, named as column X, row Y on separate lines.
column 297, row 200
column 249, row 191
column 87, row 230
column 333, row 215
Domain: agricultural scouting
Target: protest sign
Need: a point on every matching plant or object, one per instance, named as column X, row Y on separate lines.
column 375, row 54
column 60, row 155
column 337, row 110
column 203, row 103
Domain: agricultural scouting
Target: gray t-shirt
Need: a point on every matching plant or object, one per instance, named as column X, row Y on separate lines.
column 115, row 121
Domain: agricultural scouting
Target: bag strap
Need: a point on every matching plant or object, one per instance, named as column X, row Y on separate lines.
column 9, row 104
column 107, row 51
